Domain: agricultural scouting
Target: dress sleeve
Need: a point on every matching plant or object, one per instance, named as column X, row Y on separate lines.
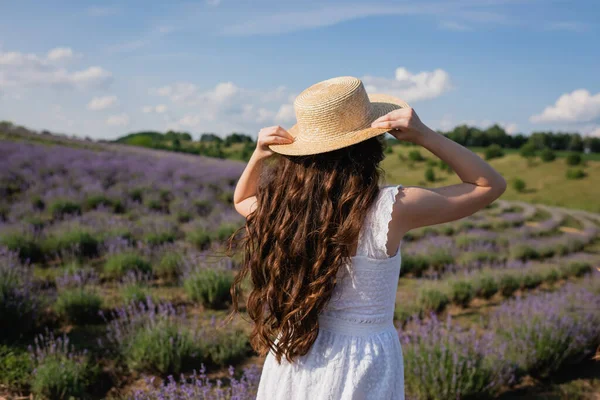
column 383, row 218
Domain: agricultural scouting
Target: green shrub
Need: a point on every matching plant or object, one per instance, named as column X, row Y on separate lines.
column 528, row 150
column 429, row 175
column 37, row 222
column 225, row 231
column 577, row 269
column 203, row 207
column 60, row 208
column 200, row 238
column 508, row 285
column 575, row 173
column 447, row 362
column 403, row 313
column 486, row 287
column 574, row 159
column 493, row 151
column 23, row 244
column 479, row 257
column 432, row 300
column 16, row 368
column 447, row 230
column 551, row 275
column 183, row 217
column 118, row 265
column 163, row 348
column 78, row 305
column 134, row 292
column 156, row 205
column 19, row 302
column 415, row 264
column 158, row 238
column 523, row 252
column 169, row 267
column 519, row 185
column 78, row 240
column 225, row 348
column 137, row 194
column 60, row 373
column 226, row 197
column 461, row 293
column 444, row 166
column 439, row 258
column 547, row 155
column 431, row 163
column 209, row 287
column 415, row 155
column 38, row 203
column 94, row 201
column 531, row 280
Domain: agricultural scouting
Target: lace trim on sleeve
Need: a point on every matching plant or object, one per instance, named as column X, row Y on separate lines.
column 383, row 216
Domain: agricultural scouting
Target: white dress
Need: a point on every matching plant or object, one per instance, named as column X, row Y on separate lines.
column 357, row 354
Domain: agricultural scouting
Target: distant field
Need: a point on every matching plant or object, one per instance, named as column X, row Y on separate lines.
column 559, row 153
column 546, row 182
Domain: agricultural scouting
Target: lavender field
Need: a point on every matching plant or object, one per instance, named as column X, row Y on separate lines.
column 114, row 283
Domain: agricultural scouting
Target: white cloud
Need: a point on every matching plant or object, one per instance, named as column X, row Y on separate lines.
column 577, row 106
column 26, row 70
column 213, row 3
column 159, row 109
column 188, row 93
column 309, row 16
column 591, row 130
column 60, row 54
column 102, row 103
column 410, row 87
column 285, row 113
column 510, row 128
column 58, row 114
column 189, row 121
column 118, row 120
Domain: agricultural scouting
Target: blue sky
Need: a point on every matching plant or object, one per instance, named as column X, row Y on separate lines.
column 103, row 69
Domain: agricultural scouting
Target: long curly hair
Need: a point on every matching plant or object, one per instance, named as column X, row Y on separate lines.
column 309, row 213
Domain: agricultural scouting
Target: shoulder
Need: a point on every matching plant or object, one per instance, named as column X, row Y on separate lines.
column 391, row 192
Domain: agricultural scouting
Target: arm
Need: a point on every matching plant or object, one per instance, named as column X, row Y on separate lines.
column 244, row 196
column 417, row 206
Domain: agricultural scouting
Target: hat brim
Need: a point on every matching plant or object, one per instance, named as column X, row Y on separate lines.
column 381, row 105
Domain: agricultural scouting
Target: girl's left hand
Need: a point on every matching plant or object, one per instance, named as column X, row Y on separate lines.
column 271, row 135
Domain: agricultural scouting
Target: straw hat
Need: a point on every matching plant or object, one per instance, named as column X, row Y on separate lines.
column 335, row 113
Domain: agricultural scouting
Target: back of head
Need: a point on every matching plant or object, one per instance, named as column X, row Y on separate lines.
column 306, row 226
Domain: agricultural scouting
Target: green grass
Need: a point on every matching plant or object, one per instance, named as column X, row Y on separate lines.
column 546, row 182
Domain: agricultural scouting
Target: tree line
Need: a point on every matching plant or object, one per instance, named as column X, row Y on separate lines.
column 471, row 136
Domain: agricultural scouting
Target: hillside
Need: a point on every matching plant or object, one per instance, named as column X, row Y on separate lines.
column 546, row 182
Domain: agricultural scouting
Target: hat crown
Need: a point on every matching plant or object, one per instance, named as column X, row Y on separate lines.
column 334, row 105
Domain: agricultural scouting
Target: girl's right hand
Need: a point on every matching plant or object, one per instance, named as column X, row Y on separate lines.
column 404, row 124
column 272, row 135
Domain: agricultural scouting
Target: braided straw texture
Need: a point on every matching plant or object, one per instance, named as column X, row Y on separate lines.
column 335, row 113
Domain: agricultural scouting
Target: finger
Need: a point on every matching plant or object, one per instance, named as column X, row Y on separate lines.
column 283, row 132
column 278, row 140
column 286, row 137
column 386, row 117
column 389, row 125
